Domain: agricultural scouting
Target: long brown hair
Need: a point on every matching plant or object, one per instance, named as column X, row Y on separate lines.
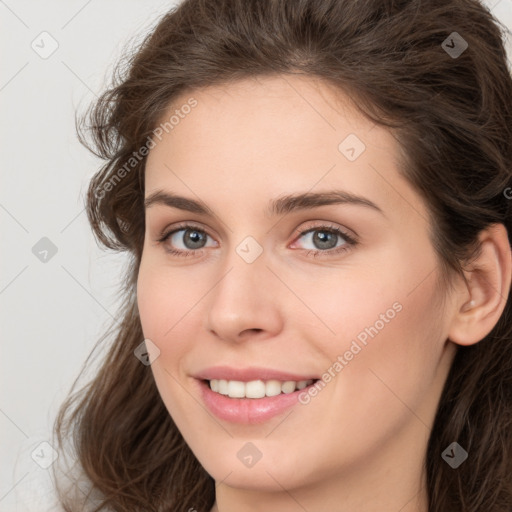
column 452, row 115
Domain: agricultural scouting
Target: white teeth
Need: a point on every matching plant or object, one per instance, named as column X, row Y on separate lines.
column 223, row 387
column 256, row 388
column 272, row 388
column 236, row 389
column 288, row 386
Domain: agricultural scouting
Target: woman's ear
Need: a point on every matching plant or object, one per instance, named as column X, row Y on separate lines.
column 486, row 289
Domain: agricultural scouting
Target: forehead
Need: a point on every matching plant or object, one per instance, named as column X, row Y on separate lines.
column 291, row 106
column 272, row 135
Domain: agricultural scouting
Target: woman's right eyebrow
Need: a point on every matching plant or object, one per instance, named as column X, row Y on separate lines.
column 161, row 197
column 279, row 206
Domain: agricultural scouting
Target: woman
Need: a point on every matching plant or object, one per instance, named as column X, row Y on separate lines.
column 313, row 196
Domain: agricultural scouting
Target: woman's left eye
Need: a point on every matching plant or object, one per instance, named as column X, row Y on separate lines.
column 324, row 238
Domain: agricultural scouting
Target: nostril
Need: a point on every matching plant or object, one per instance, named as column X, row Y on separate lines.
column 253, row 331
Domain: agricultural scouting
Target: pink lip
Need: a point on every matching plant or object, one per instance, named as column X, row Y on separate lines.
column 248, row 374
column 247, row 410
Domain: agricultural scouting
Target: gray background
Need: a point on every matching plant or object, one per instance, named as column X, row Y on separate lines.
column 52, row 312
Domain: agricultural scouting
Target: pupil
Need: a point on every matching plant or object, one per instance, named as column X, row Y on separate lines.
column 321, row 239
column 195, row 238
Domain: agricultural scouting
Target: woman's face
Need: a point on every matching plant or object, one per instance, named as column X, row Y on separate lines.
column 248, row 298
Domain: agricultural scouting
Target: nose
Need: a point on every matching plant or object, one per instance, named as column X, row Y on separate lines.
column 244, row 304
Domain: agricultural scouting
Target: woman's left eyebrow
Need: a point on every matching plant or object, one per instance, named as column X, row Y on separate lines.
column 308, row 200
column 279, row 206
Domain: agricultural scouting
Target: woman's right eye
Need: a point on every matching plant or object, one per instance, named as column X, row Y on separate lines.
column 194, row 238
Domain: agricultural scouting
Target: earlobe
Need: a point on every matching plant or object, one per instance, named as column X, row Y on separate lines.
column 487, row 287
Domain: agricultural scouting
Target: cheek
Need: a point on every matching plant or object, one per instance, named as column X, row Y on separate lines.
column 390, row 334
column 165, row 299
column 163, row 314
column 170, row 314
column 153, row 302
column 388, row 382
column 393, row 365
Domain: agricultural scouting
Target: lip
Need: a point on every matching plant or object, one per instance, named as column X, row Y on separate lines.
column 248, row 411
column 248, row 374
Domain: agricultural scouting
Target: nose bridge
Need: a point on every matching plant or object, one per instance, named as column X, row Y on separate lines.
column 241, row 299
column 245, row 272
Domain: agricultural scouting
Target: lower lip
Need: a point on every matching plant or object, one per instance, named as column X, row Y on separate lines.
column 247, row 410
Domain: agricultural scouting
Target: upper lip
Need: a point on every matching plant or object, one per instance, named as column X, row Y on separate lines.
column 249, row 374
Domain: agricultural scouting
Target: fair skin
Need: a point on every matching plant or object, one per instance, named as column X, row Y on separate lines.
column 360, row 443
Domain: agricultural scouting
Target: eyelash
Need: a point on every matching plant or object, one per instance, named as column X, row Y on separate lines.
column 350, row 241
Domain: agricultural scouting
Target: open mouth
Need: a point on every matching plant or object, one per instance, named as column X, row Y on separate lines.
column 256, row 388
column 252, row 402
